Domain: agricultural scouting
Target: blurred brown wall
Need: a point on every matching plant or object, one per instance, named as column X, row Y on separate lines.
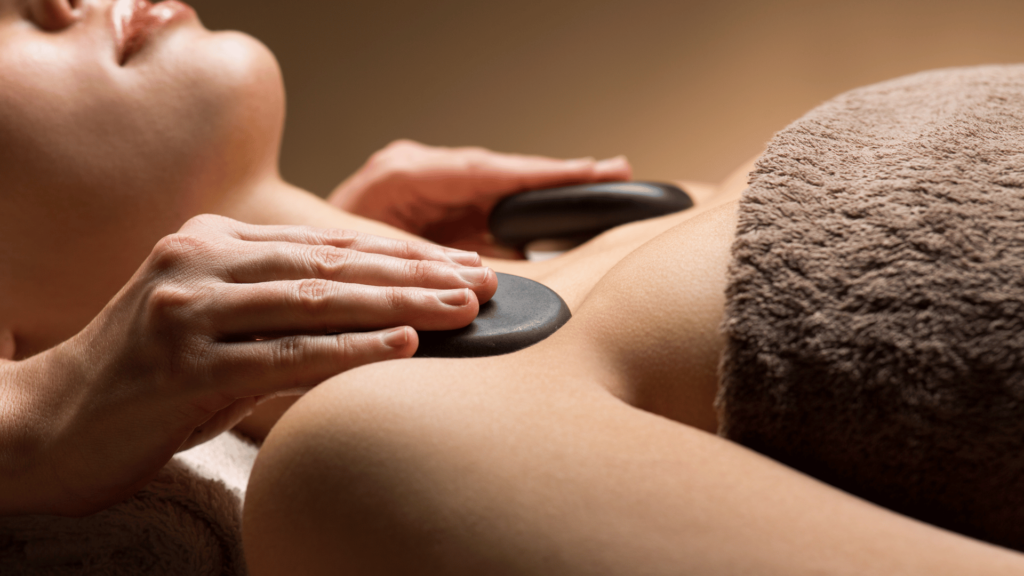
column 686, row 89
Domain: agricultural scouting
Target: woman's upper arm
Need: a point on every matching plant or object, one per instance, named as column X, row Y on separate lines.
column 522, row 465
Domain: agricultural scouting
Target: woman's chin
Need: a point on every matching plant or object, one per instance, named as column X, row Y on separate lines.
column 240, row 60
column 241, row 73
column 236, row 97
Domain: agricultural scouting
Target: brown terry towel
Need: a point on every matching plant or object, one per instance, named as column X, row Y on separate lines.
column 875, row 313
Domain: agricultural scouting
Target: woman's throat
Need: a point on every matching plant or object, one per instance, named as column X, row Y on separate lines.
column 7, row 344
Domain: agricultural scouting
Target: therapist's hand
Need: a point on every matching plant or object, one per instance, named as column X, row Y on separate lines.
column 446, row 194
column 220, row 315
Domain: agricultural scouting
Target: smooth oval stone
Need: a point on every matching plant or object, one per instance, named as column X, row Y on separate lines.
column 584, row 210
column 521, row 313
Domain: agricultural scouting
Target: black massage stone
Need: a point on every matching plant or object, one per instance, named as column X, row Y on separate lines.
column 581, row 211
column 522, row 312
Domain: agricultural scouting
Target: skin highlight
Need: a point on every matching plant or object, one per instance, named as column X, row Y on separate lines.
column 585, row 454
column 123, row 295
column 588, row 453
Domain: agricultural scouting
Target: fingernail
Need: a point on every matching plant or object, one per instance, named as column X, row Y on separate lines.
column 396, row 338
column 464, row 258
column 474, row 275
column 610, row 164
column 458, row 297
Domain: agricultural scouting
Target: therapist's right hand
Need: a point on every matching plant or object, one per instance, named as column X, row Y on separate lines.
column 221, row 314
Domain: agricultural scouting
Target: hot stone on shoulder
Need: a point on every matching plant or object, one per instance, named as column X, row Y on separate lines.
column 521, row 313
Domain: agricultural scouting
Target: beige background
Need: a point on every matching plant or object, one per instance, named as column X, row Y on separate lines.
column 686, row 89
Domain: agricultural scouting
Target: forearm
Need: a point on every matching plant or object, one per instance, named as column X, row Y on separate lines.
column 32, row 391
column 16, row 453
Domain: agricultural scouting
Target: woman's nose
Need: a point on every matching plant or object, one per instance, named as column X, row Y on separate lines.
column 55, row 15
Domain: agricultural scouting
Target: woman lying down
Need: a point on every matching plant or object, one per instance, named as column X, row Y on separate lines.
column 853, row 317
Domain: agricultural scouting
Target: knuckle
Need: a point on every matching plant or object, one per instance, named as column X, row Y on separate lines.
column 385, row 154
column 394, row 171
column 207, row 222
column 328, row 261
column 340, row 237
column 175, row 249
column 397, row 160
column 421, row 272
column 174, row 315
column 403, row 148
column 473, row 158
column 400, row 144
column 287, row 353
column 170, row 302
column 308, row 233
column 396, row 299
column 413, row 250
column 312, row 295
column 344, row 350
column 175, row 319
column 476, row 152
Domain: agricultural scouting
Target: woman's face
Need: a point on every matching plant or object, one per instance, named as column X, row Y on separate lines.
column 118, row 120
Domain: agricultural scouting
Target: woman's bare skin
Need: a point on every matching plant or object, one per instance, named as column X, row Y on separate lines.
column 588, row 453
column 571, row 275
column 536, row 462
column 131, row 327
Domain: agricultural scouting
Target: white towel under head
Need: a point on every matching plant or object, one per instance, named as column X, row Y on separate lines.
column 186, row 521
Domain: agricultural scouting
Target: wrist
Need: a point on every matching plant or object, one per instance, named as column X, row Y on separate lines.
column 38, row 395
column 22, row 440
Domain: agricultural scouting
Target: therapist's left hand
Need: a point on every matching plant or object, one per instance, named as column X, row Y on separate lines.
column 446, row 194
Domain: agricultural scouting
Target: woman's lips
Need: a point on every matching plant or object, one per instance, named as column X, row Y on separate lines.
column 136, row 20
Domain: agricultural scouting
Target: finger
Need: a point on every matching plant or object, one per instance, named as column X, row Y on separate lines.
column 533, row 172
column 485, row 173
column 318, row 306
column 301, row 362
column 610, row 169
column 485, row 245
column 353, row 240
column 267, row 261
